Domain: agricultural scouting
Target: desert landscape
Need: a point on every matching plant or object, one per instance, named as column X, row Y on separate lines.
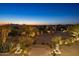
column 39, row 40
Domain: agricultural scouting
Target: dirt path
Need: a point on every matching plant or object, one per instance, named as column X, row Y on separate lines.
column 71, row 50
column 40, row 50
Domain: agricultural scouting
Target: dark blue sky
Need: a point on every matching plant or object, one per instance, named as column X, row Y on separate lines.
column 39, row 13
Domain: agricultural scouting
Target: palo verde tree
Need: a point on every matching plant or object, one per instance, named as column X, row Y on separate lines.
column 27, row 33
column 56, row 45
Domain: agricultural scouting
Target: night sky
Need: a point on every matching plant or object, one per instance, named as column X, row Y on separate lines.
column 27, row 13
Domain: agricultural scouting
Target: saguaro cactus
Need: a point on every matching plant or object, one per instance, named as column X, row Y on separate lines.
column 4, row 33
column 4, row 46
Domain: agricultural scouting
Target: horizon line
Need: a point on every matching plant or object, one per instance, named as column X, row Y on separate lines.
column 9, row 23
